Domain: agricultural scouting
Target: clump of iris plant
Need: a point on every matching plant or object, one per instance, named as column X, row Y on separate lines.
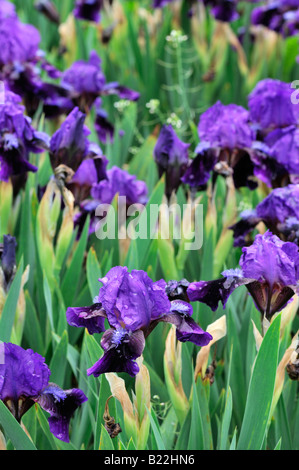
column 269, row 270
column 24, row 381
column 133, row 305
column 279, row 211
column 17, row 138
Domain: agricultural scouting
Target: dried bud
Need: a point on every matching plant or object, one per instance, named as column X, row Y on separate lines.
column 111, row 426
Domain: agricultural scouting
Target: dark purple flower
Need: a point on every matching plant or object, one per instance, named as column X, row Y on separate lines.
column 200, row 168
column 92, row 318
column 160, row 3
column 8, row 259
column 274, row 211
column 103, row 191
column 223, row 10
column 226, row 126
column 120, row 182
column 86, row 81
column 7, row 10
column 88, row 10
column 226, row 139
column 133, row 305
column 177, row 290
column 17, row 138
column 171, row 157
column 269, row 269
column 186, row 328
column 278, row 15
column 104, row 128
column 271, row 107
column 91, row 171
column 24, row 380
column 70, row 145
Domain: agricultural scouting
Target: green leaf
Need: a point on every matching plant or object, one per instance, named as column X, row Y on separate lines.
column 260, row 393
column 10, row 306
column 93, row 271
column 72, row 276
column 13, row 430
column 105, row 440
column 156, row 430
column 59, row 361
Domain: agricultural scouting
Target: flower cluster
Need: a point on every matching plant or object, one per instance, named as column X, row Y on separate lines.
column 133, row 305
column 24, row 381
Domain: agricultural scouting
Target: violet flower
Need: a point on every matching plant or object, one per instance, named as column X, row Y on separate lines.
column 24, row 380
column 88, row 10
column 118, row 181
column 225, row 143
column 171, row 157
column 269, row 269
column 8, row 260
column 133, row 305
column 271, row 107
column 223, row 10
column 69, row 145
column 280, row 16
column 17, row 138
column 86, row 81
column 279, row 211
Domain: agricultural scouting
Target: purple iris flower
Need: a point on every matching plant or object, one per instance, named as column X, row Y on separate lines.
column 86, row 81
column 278, row 15
column 91, row 171
column 118, row 181
column 17, row 138
column 271, row 107
column 225, row 144
column 160, row 3
column 223, row 10
column 24, row 380
column 171, row 157
column 121, row 182
column 69, row 145
column 88, row 10
column 8, row 260
column 278, row 211
column 269, row 269
column 133, row 305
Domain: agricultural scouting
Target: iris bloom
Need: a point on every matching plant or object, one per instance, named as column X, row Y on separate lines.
column 279, row 211
column 8, row 260
column 86, row 81
column 88, row 10
column 117, row 181
column 69, row 145
column 133, row 305
column 269, row 269
column 17, row 138
column 225, row 144
column 171, row 157
column 24, row 381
